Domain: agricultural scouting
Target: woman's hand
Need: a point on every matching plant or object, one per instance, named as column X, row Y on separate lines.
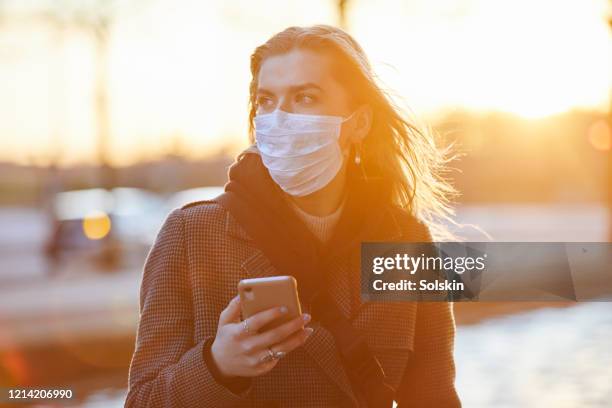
column 237, row 352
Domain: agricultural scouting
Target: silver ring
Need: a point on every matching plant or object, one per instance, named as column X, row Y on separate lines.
column 279, row 354
column 245, row 326
column 268, row 357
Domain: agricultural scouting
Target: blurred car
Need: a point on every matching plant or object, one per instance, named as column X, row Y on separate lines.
column 102, row 224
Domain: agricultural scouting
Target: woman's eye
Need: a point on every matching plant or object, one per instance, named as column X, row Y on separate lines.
column 264, row 102
column 305, row 99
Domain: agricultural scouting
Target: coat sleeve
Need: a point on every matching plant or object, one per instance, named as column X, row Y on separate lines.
column 167, row 368
column 429, row 378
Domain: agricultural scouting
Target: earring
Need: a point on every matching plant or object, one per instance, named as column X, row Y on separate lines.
column 358, row 154
column 358, row 163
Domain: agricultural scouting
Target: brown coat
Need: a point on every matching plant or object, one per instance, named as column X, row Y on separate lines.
column 190, row 275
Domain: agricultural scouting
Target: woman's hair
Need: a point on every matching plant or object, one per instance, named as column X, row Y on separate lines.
column 402, row 152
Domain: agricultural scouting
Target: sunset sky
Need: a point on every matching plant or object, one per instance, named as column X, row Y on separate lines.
column 180, row 70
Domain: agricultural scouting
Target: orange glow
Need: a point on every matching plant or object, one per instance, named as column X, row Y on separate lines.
column 96, row 225
column 17, row 366
column 599, row 135
column 189, row 81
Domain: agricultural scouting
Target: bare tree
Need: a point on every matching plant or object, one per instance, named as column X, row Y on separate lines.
column 342, row 22
column 95, row 17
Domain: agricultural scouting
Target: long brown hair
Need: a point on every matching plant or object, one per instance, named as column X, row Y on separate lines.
column 404, row 153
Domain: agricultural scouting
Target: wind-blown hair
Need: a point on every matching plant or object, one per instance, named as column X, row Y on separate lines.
column 404, row 153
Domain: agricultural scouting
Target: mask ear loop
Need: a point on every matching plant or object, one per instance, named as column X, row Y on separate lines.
column 349, row 117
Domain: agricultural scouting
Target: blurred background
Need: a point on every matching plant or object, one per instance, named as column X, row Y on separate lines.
column 112, row 113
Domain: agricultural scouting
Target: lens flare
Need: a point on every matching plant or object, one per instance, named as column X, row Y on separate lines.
column 599, row 135
column 96, row 225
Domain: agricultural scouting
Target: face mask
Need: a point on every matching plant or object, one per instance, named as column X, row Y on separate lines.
column 301, row 152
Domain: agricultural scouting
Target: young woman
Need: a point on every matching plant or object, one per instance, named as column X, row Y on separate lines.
column 332, row 163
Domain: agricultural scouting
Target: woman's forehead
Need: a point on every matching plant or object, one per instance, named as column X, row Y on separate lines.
column 294, row 69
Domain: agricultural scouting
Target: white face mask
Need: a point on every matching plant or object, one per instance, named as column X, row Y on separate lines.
column 301, row 152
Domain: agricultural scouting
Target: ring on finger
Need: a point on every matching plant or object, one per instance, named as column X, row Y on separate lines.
column 268, row 356
column 245, row 326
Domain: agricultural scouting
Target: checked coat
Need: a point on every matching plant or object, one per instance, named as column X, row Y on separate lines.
column 192, row 272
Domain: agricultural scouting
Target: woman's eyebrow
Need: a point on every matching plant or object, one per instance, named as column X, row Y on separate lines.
column 292, row 89
column 305, row 86
column 262, row 91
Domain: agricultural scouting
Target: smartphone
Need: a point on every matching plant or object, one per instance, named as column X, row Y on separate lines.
column 259, row 294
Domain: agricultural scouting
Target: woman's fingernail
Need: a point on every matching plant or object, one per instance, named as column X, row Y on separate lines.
column 309, row 331
column 306, row 317
column 283, row 309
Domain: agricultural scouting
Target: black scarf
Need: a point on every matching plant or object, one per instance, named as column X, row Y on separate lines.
column 292, row 248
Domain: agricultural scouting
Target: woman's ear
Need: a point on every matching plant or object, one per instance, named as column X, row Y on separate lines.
column 362, row 123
